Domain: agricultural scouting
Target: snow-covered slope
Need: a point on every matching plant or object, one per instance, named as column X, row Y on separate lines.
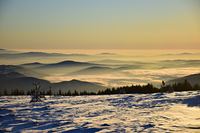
column 193, row 79
column 174, row 112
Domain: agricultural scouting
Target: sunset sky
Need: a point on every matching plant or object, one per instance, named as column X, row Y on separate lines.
column 100, row 24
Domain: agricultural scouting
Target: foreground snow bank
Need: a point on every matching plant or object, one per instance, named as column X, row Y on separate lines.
column 174, row 112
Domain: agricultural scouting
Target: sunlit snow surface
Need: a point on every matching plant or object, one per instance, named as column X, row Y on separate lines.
column 173, row 112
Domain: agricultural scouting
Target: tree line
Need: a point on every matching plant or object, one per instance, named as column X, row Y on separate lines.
column 133, row 89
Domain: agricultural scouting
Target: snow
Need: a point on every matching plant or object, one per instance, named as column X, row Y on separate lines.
column 172, row 112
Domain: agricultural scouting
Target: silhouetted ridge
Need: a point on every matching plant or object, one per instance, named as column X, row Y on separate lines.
column 34, row 63
column 93, row 70
column 70, row 62
column 40, row 54
column 4, row 69
column 11, row 75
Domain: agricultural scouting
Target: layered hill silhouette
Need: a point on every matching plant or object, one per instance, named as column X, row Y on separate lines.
column 93, row 70
column 23, row 76
column 67, row 63
column 5, row 69
column 4, row 53
column 14, row 80
column 64, row 67
column 32, row 65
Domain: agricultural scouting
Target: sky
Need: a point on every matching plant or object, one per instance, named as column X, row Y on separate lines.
column 100, row 24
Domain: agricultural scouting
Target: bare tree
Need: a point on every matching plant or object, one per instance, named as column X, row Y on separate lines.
column 35, row 94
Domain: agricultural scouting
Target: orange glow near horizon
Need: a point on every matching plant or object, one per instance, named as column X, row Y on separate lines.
column 101, row 25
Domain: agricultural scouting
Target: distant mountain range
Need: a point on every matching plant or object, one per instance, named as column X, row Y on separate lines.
column 64, row 67
column 14, row 80
column 70, row 67
column 75, row 68
column 23, row 76
column 17, row 54
column 67, row 63
column 94, row 70
column 29, row 55
column 5, row 69
column 32, row 65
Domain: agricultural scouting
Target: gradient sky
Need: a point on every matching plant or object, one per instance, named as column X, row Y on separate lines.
column 94, row 24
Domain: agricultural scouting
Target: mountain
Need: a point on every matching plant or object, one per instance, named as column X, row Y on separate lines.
column 40, row 54
column 64, row 67
column 78, row 85
column 32, row 65
column 9, row 54
column 14, row 80
column 11, row 75
column 93, row 70
column 192, row 79
column 21, row 83
column 4, row 69
column 69, row 63
column 29, row 55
